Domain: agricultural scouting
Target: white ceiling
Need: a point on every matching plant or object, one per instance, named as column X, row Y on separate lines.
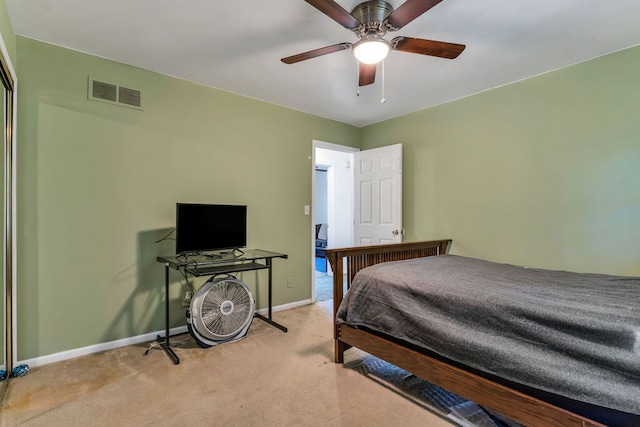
column 236, row 46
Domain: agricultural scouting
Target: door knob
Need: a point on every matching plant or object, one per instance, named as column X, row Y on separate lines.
column 395, row 232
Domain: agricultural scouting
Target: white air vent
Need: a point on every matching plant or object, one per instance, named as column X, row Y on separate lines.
column 114, row 93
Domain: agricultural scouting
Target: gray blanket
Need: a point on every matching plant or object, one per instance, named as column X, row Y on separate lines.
column 576, row 335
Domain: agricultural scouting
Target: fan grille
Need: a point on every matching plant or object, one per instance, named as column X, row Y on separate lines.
column 225, row 309
column 221, row 311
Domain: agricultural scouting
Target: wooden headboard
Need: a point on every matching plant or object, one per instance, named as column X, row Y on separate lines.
column 360, row 257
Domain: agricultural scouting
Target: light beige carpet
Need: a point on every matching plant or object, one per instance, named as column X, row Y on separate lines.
column 270, row 378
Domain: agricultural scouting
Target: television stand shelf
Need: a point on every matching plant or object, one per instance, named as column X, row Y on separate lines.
column 204, row 265
column 219, row 269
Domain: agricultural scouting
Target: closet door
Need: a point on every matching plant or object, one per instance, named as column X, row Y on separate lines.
column 3, row 250
column 6, row 207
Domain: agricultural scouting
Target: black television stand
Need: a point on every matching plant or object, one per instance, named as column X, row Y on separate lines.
column 203, row 265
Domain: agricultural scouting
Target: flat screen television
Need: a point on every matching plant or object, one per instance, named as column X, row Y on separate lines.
column 202, row 227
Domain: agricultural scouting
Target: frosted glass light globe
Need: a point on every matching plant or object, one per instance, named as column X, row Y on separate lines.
column 371, row 51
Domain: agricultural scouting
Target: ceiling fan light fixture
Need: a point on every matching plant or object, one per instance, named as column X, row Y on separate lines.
column 371, row 50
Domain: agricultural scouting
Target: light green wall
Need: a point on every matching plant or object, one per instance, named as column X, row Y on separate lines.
column 6, row 31
column 98, row 184
column 544, row 172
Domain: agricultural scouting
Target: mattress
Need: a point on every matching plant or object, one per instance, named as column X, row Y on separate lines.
column 574, row 335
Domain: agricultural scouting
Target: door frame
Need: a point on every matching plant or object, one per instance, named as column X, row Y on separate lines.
column 328, row 146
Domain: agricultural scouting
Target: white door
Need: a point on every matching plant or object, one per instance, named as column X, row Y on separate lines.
column 378, row 196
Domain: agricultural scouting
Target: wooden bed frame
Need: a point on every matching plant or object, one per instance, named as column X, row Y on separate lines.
column 516, row 405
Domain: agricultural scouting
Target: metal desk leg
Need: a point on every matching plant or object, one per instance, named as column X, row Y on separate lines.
column 270, row 288
column 260, row 316
column 164, row 342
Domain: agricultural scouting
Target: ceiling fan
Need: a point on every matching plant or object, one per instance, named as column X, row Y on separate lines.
column 370, row 21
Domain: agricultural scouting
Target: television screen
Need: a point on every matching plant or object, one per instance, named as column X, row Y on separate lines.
column 201, row 227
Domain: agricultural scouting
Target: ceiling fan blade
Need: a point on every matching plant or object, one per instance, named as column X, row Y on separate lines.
column 367, row 74
column 315, row 53
column 427, row 47
column 408, row 11
column 334, row 11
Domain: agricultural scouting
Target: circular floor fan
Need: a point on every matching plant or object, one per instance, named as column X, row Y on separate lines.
column 221, row 311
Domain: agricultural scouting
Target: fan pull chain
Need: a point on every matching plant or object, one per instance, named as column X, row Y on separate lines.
column 358, row 78
column 382, row 99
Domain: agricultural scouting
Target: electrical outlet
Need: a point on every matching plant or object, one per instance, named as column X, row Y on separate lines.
column 186, row 301
column 289, row 282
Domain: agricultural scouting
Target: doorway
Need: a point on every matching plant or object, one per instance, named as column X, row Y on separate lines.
column 321, row 220
column 332, row 218
column 360, row 195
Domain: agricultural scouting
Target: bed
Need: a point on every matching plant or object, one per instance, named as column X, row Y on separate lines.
column 532, row 381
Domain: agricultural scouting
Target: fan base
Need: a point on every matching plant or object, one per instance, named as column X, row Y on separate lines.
column 372, row 11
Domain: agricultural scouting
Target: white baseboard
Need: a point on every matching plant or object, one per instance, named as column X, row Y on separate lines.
column 96, row 348
column 84, row 351
column 264, row 311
